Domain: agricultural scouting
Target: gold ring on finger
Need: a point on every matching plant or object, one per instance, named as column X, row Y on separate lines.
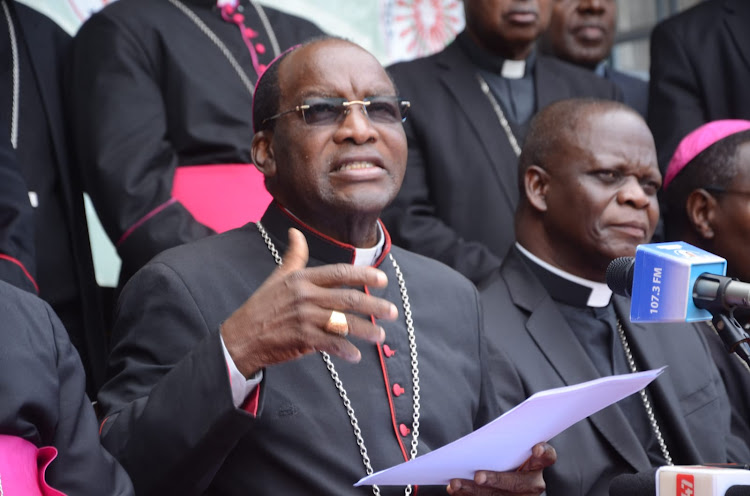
column 337, row 324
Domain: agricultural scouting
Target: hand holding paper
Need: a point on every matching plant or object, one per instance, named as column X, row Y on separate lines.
column 505, row 443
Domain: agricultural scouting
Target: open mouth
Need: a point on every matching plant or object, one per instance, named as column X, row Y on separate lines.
column 355, row 166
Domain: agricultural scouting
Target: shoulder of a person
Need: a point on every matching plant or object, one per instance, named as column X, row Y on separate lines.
column 301, row 25
column 136, row 14
column 415, row 67
column 30, row 15
column 204, row 251
column 686, row 22
column 24, row 313
column 432, row 270
column 579, row 77
column 624, row 77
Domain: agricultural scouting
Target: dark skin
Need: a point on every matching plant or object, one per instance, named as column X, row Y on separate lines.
column 507, row 28
column 310, row 170
column 597, row 200
column 720, row 222
column 581, row 31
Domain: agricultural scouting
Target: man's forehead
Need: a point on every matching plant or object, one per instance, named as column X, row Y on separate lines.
column 330, row 66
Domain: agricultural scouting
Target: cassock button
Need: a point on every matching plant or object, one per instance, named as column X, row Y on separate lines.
column 388, row 351
column 404, row 430
column 398, row 390
column 261, row 48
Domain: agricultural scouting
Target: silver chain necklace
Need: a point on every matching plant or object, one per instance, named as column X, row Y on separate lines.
column 16, row 81
column 644, row 397
column 223, row 48
column 500, row 115
column 340, row 386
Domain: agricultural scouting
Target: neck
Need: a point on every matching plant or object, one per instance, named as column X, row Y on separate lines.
column 508, row 51
column 573, row 261
column 361, row 232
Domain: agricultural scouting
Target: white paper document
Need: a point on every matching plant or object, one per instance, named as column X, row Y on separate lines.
column 505, row 443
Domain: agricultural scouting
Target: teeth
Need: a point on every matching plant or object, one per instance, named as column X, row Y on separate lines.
column 357, row 165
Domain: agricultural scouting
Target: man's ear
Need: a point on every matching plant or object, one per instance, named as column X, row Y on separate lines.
column 536, row 185
column 262, row 153
column 701, row 209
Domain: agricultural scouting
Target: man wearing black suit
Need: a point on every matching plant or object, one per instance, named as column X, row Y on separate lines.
column 700, row 71
column 582, row 32
column 32, row 51
column 471, row 105
column 588, row 195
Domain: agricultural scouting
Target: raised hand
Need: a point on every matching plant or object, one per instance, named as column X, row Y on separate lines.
column 287, row 317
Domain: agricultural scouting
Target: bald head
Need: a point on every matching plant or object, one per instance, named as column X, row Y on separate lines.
column 558, row 126
column 588, row 180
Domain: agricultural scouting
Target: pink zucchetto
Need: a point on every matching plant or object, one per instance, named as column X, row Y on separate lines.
column 700, row 139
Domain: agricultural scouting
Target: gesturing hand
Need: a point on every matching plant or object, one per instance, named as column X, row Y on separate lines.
column 286, row 317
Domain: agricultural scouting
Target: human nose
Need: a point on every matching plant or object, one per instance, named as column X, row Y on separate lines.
column 633, row 193
column 356, row 125
column 591, row 6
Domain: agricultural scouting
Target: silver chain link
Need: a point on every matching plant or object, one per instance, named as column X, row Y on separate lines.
column 644, row 397
column 1, row 485
column 16, row 81
column 340, row 385
column 220, row 44
column 500, row 115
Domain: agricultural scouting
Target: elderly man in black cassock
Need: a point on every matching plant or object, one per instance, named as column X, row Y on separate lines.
column 298, row 354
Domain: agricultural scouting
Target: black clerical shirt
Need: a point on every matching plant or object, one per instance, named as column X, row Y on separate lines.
column 588, row 308
column 515, row 93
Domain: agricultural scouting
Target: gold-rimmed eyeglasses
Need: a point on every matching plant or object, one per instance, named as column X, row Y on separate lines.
column 327, row 111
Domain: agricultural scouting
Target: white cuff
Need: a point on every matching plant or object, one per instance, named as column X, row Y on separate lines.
column 241, row 387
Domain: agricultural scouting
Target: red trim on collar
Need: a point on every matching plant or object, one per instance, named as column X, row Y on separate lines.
column 23, row 268
column 328, row 239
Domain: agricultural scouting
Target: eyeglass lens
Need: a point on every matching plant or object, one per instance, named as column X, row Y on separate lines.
column 384, row 110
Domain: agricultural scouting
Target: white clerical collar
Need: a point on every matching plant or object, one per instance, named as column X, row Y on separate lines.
column 368, row 256
column 513, row 69
column 600, row 292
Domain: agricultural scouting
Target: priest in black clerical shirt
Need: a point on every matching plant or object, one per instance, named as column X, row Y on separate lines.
column 471, row 105
column 588, row 195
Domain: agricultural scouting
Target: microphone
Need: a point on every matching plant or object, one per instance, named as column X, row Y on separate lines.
column 678, row 282
column 675, row 282
column 641, row 484
column 685, row 480
column 702, row 481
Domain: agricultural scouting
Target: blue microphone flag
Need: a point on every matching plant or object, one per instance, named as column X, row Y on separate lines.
column 663, row 279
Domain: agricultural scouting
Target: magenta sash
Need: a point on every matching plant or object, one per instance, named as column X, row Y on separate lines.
column 222, row 196
column 23, row 467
